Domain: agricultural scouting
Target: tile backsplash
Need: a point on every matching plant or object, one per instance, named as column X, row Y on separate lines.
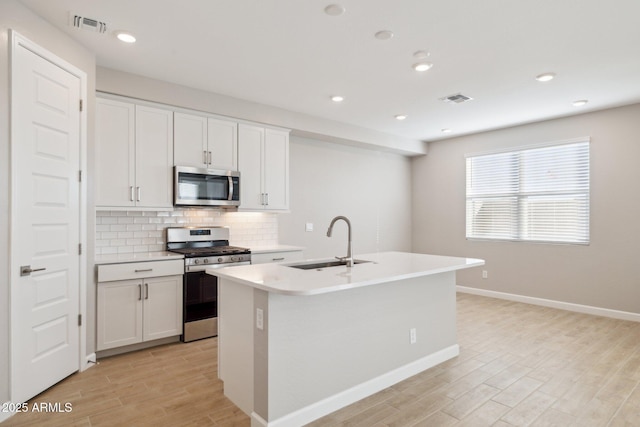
column 144, row 231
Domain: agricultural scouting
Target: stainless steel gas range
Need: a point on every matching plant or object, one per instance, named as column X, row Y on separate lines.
column 203, row 247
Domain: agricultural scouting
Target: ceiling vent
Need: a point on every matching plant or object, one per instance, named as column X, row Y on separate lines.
column 458, row 98
column 88, row 24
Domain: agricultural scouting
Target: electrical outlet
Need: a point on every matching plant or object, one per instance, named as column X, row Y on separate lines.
column 485, row 274
column 308, row 226
column 259, row 318
column 412, row 335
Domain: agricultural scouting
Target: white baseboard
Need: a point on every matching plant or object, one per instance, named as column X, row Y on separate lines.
column 5, row 415
column 586, row 309
column 89, row 362
column 340, row 400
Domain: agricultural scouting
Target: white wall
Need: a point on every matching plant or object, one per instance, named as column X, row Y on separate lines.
column 13, row 15
column 604, row 274
column 371, row 188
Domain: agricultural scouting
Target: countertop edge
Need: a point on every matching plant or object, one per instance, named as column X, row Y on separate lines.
column 469, row 263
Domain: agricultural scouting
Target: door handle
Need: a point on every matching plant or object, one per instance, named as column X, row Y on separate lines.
column 139, row 292
column 204, row 157
column 131, row 193
column 231, row 188
column 209, row 157
column 146, row 291
column 138, row 194
column 26, row 270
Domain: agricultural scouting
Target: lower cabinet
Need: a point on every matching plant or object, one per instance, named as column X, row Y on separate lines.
column 276, row 256
column 137, row 310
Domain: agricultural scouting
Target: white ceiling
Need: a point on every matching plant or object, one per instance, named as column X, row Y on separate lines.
column 290, row 54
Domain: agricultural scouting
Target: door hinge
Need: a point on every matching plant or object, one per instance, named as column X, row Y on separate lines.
column 79, row 248
column 79, row 176
column 81, row 105
column 79, row 319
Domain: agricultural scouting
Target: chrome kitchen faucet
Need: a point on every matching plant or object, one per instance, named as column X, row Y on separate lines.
column 349, row 257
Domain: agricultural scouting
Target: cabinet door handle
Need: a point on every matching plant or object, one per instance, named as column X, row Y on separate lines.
column 209, row 157
column 138, row 193
column 142, row 270
column 204, row 156
column 139, row 292
column 277, row 259
column 267, row 198
column 146, row 291
column 131, row 193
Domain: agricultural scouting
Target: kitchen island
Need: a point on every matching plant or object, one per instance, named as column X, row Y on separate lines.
column 296, row 344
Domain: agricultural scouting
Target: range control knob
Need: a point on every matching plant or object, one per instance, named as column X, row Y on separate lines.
column 205, row 261
column 196, row 261
column 219, row 259
column 234, row 258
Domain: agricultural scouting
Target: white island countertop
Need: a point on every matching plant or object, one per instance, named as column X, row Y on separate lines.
column 384, row 267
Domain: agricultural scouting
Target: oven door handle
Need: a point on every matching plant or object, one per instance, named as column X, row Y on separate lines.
column 195, row 268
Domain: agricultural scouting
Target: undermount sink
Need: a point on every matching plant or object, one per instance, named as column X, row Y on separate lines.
column 325, row 264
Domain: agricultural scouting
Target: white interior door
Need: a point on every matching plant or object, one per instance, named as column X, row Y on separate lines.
column 45, row 223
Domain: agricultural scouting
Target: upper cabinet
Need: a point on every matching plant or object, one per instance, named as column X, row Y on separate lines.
column 263, row 161
column 134, row 155
column 190, row 140
column 205, row 142
column 222, row 138
column 115, row 153
column 138, row 143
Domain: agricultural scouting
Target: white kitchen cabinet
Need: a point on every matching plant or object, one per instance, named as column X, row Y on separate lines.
column 263, row 161
column 264, row 257
column 115, row 153
column 190, row 140
column 222, row 138
column 119, row 313
column 205, row 142
column 134, row 155
column 139, row 309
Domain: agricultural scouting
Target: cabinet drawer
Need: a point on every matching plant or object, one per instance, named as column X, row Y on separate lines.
column 139, row 270
column 264, row 258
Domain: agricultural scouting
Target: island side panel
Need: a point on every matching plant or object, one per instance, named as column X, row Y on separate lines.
column 235, row 342
column 261, row 358
column 322, row 346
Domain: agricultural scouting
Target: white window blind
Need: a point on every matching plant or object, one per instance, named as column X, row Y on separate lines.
column 538, row 194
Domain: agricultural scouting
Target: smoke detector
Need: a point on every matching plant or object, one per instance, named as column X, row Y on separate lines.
column 457, row 98
column 85, row 23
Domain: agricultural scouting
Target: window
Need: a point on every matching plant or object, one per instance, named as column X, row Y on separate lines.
column 538, row 194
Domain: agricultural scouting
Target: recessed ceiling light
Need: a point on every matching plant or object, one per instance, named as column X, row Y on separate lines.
column 384, row 35
column 123, row 36
column 580, row 102
column 401, row 117
column 446, row 130
column 422, row 66
column 337, row 98
column 545, row 77
column 334, row 10
column 420, row 54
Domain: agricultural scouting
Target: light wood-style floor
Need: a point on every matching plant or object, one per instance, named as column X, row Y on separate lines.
column 519, row 365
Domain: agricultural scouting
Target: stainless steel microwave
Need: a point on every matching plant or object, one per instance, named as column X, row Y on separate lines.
column 206, row 187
